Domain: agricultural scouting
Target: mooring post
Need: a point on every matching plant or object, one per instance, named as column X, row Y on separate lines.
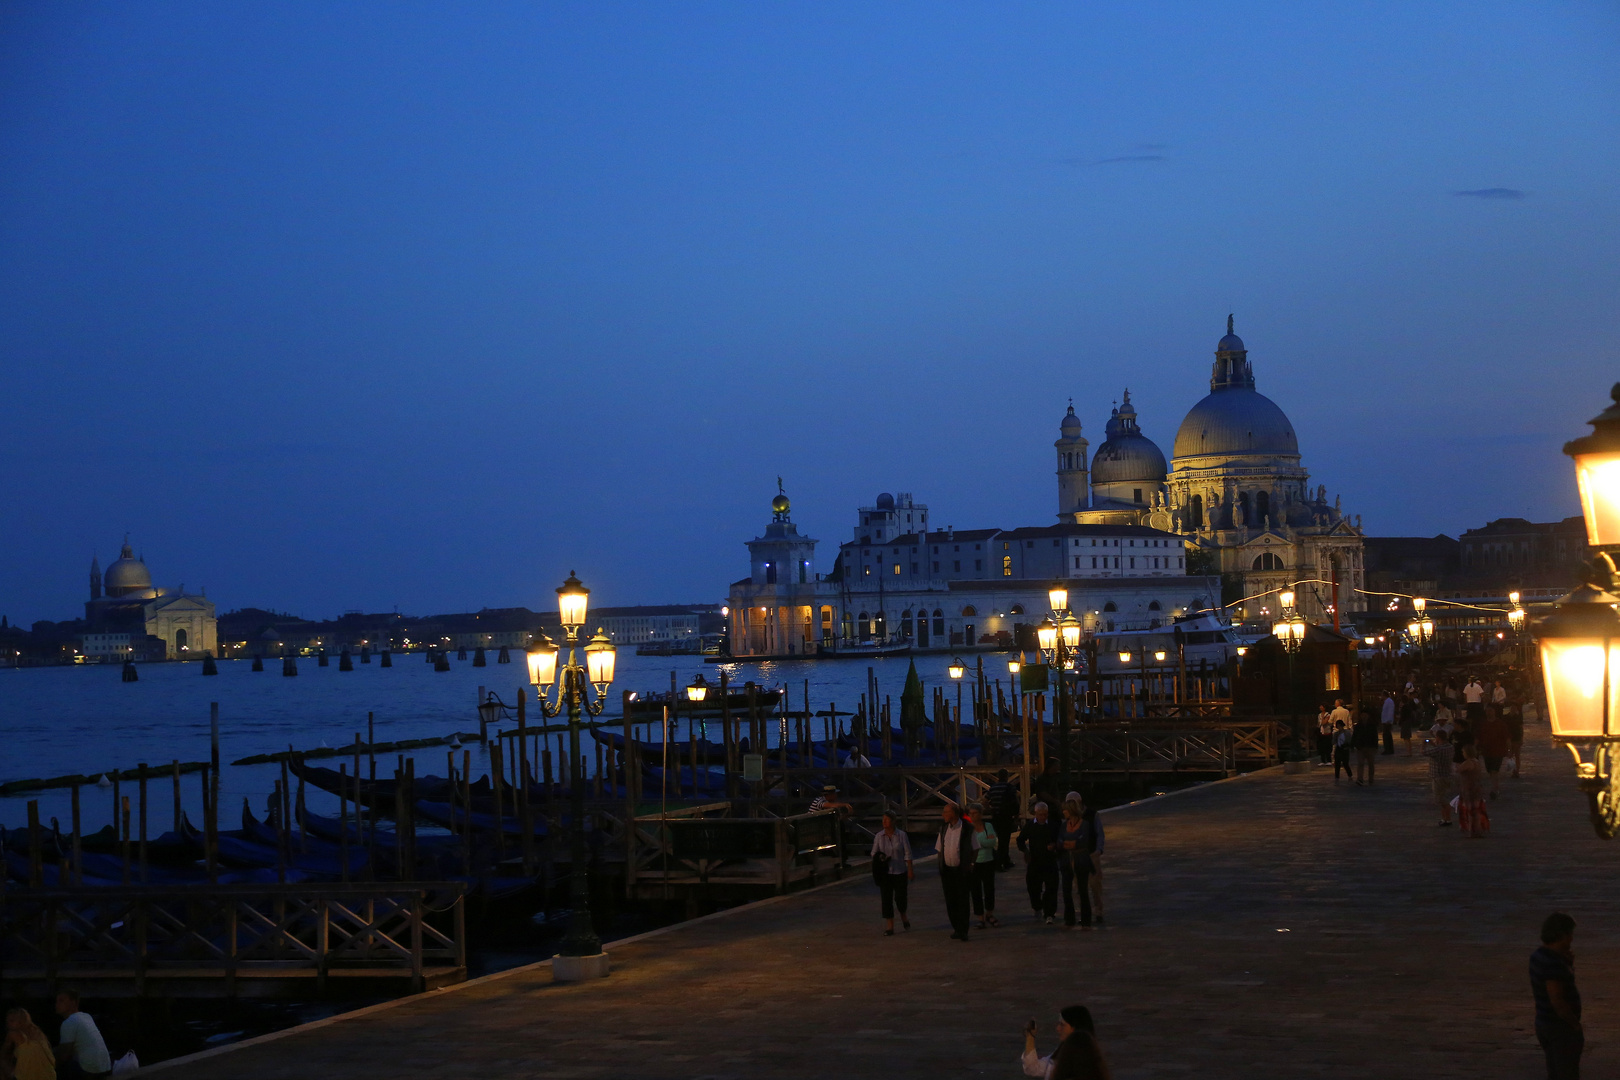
column 525, row 810
column 78, row 854
column 142, row 767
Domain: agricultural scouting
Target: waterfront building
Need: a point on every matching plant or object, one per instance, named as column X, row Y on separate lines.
column 1235, row 491
column 1223, row 525
column 153, row 623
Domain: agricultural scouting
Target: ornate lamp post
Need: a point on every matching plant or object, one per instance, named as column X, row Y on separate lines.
column 1290, row 632
column 1580, row 641
column 1059, row 638
column 581, row 955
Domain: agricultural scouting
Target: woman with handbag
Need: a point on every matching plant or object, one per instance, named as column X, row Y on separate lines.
column 892, row 869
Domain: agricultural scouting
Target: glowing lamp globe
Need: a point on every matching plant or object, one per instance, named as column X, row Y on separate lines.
column 1070, row 629
column 1597, row 474
column 599, row 660
column 1286, row 598
column 697, row 690
column 1014, row 665
column 1580, row 648
column 957, row 669
column 1124, row 656
column 542, row 657
column 1058, row 597
column 572, row 600
column 1158, row 656
column 1047, row 635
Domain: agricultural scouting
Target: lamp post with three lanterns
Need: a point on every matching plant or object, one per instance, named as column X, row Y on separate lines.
column 1059, row 638
column 581, row 954
column 1290, row 633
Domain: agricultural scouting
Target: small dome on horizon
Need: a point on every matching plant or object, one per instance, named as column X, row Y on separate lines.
column 885, row 501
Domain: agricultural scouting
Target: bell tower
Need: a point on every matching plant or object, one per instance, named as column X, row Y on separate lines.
column 1072, row 475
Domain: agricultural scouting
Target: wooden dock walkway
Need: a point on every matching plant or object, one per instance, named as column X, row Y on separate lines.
column 1276, row 926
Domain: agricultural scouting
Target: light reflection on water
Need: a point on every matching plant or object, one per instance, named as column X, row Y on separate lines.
column 61, row 720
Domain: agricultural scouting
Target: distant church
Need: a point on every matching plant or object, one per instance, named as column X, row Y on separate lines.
column 1234, row 489
column 126, row 616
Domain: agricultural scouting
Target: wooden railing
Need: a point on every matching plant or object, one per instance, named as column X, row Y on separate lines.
column 229, row 939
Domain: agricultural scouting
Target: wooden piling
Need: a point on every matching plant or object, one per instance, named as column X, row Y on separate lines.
column 525, row 811
column 142, row 849
column 497, row 786
column 78, row 853
column 36, row 867
column 343, row 821
column 466, row 803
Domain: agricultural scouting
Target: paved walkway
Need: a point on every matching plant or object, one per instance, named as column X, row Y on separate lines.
column 1275, row 926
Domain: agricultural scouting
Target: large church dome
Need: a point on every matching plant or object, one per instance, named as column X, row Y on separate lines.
column 128, row 576
column 1235, row 419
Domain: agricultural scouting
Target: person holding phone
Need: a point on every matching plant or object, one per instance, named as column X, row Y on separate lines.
column 1077, row 1057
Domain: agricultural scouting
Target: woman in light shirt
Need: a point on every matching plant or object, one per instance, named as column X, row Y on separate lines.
column 982, row 886
column 894, row 846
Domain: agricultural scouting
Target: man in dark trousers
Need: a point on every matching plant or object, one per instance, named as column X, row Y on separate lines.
column 956, row 856
column 1003, row 800
column 1558, row 1003
column 1038, row 840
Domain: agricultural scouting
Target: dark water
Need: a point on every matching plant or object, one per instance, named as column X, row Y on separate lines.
column 85, row 720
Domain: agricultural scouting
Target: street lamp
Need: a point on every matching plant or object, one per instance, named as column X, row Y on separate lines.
column 581, row 954
column 1059, row 637
column 1290, row 633
column 697, row 690
column 1581, row 639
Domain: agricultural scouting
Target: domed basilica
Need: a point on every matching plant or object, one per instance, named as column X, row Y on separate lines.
column 1235, row 490
column 126, row 616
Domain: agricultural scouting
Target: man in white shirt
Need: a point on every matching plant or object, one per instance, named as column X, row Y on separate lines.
column 82, row 1051
column 1474, row 696
column 1340, row 714
column 956, row 855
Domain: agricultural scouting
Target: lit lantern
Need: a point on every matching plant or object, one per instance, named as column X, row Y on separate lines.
column 697, row 690
column 1597, row 474
column 599, row 661
column 1013, row 666
column 1047, row 635
column 1579, row 646
column 1418, row 604
column 1124, row 656
column 1286, row 598
column 1158, row 656
column 572, row 599
column 1058, row 597
column 1070, row 629
column 957, row 668
column 542, row 658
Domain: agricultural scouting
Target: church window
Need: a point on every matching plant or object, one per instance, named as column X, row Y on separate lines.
column 969, row 611
column 1267, row 560
column 1262, row 505
column 1006, row 566
column 770, row 573
column 1243, row 505
column 1110, row 606
column 180, row 640
column 1196, row 512
column 1137, row 493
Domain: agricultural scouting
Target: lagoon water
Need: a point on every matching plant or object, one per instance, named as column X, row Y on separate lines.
column 60, row 720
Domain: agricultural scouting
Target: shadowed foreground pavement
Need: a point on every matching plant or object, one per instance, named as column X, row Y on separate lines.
column 1404, row 956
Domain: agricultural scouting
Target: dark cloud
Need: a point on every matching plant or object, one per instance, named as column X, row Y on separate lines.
column 1492, row 193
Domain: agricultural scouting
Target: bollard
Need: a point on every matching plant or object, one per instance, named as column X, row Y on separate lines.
column 289, row 666
column 209, row 667
column 345, row 661
column 258, row 663
column 365, row 654
column 387, row 658
column 478, row 657
column 442, row 663
column 130, row 674
column 321, row 661
column 505, row 657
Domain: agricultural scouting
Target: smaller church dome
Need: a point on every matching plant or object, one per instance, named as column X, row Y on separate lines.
column 1071, row 423
column 128, row 576
column 1230, row 343
column 885, row 501
column 1127, row 456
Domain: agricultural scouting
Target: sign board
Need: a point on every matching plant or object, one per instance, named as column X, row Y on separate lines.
column 753, row 768
column 1032, row 678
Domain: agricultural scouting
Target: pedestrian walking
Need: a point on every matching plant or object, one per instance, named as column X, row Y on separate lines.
column 27, row 1051
column 1493, row 740
column 1077, row 1057
column 1438, row 751
column 1409, row 720
column 982, row 882
column 1074, row 864
column 1558, row 1002
column 1038, row 842
column 955, row 848
column 1474, row 699
column 1003, row 804
column 893, row 871
column 1472, row 819
column 80, row 1049
column 1364, row 740
column 1386, row 723
column 1341, row 751
column 1094, row 879
column 1324, row 735
column 1513, row 717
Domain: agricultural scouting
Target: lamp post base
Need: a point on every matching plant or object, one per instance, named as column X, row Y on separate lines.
column 579, row 968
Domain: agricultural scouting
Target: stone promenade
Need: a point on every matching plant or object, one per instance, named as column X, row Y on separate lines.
column 1274, row 926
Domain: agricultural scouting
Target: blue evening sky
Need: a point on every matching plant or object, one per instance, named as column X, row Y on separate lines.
column 344, row 306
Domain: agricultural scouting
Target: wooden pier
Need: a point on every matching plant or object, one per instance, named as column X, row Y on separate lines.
column 232, row 940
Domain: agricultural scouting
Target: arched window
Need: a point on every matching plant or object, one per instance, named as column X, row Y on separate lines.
column 1154, row 606
column 866, row 626
column 1262, row 505
column 939, row 623
column 1110, row 606
column 180, row 639
column 905, row 623
column 969, row 611
column 1267, row 560
column 1196, row 513
column 1243, row 504
column 1017, row 609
